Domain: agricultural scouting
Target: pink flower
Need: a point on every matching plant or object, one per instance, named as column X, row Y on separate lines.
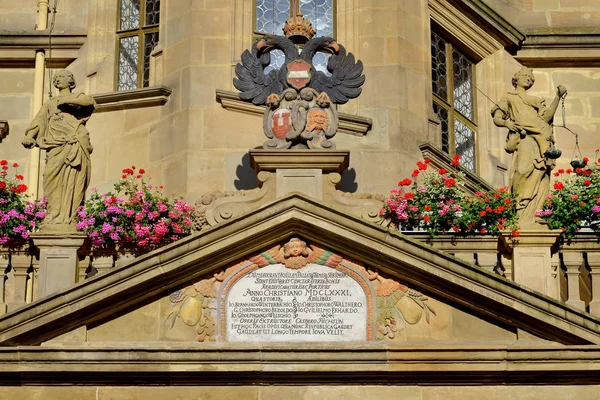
column 596, row 209
column 106, row 227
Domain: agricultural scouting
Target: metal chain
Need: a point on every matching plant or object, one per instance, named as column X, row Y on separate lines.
column 50, row 49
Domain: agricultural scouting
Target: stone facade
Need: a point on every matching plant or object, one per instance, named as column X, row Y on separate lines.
column 193, row 145
column 490, row 337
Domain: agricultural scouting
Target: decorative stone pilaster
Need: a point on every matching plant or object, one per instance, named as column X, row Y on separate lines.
column 59, row 261
column 532, row 259
column 20, row 263
column 593, row 259
column 3, row 268
column 573, row 262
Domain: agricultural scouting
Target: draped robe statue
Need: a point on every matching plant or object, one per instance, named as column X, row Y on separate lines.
column 59, row 128
column 528, row 120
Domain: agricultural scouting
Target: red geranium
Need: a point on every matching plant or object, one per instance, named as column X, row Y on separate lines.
column 450, row 182
column 558, row 186
column 442, row 171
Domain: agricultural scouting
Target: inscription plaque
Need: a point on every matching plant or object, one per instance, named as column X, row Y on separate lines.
column 314, row 303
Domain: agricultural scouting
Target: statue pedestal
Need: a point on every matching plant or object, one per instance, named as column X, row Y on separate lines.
column 531, row 259
column 59, row 261
column 300, row 170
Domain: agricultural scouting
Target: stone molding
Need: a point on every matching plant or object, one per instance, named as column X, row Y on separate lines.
column 17, row 49
column 348, row 123
column 162, row 363
column 4, row 129
column 280, row 172
column 439, row 159
column 478, row 29
column 327, row 160
column 150, row 276
column 483, row 15
column 135, row 98
column 560, row 48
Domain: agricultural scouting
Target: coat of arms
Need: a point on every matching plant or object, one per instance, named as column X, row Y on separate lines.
column 298, row 97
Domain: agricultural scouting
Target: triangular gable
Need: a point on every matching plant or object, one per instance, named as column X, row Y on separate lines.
column 165, row 270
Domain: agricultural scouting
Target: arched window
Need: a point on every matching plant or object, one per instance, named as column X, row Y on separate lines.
column 270, row 17
column 137, row 35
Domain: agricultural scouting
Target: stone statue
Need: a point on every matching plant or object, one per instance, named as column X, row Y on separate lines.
column 59, row 128
column 530, row 138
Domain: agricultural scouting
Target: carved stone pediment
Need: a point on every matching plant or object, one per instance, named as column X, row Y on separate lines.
column 406, row 279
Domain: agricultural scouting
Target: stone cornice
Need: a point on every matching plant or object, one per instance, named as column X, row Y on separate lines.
column 135, row 98
column 17, row 49
column 161, row 363
column 153, row 275
column 349, row 124
column 4, row 129
column 561, row 48
column 38, row 40
column 478, row 29
column 483, row 15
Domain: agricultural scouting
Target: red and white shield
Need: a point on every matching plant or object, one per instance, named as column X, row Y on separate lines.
column 298, row 74
column 280, row 123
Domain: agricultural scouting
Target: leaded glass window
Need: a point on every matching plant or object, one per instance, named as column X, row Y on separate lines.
column 137, row 35
column 453, row 87
column 272, row 14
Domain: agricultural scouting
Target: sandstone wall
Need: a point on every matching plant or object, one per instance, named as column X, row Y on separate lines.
column 330, row 392
column 71, row 15
column 531, row 14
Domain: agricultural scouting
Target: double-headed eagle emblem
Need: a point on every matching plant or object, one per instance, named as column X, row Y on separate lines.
column 298, row 96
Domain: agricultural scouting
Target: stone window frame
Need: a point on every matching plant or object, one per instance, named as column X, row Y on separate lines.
column 482, row 35
column 140, row 32
column 448, row 104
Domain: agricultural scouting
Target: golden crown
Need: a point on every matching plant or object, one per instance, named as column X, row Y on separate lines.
column 298, row 29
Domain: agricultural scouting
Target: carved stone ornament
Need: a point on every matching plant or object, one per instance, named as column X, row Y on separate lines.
column 300, row 118
column 297, row 291
column 299, row 114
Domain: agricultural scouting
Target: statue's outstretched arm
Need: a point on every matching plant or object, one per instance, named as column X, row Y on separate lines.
column 551, row 110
